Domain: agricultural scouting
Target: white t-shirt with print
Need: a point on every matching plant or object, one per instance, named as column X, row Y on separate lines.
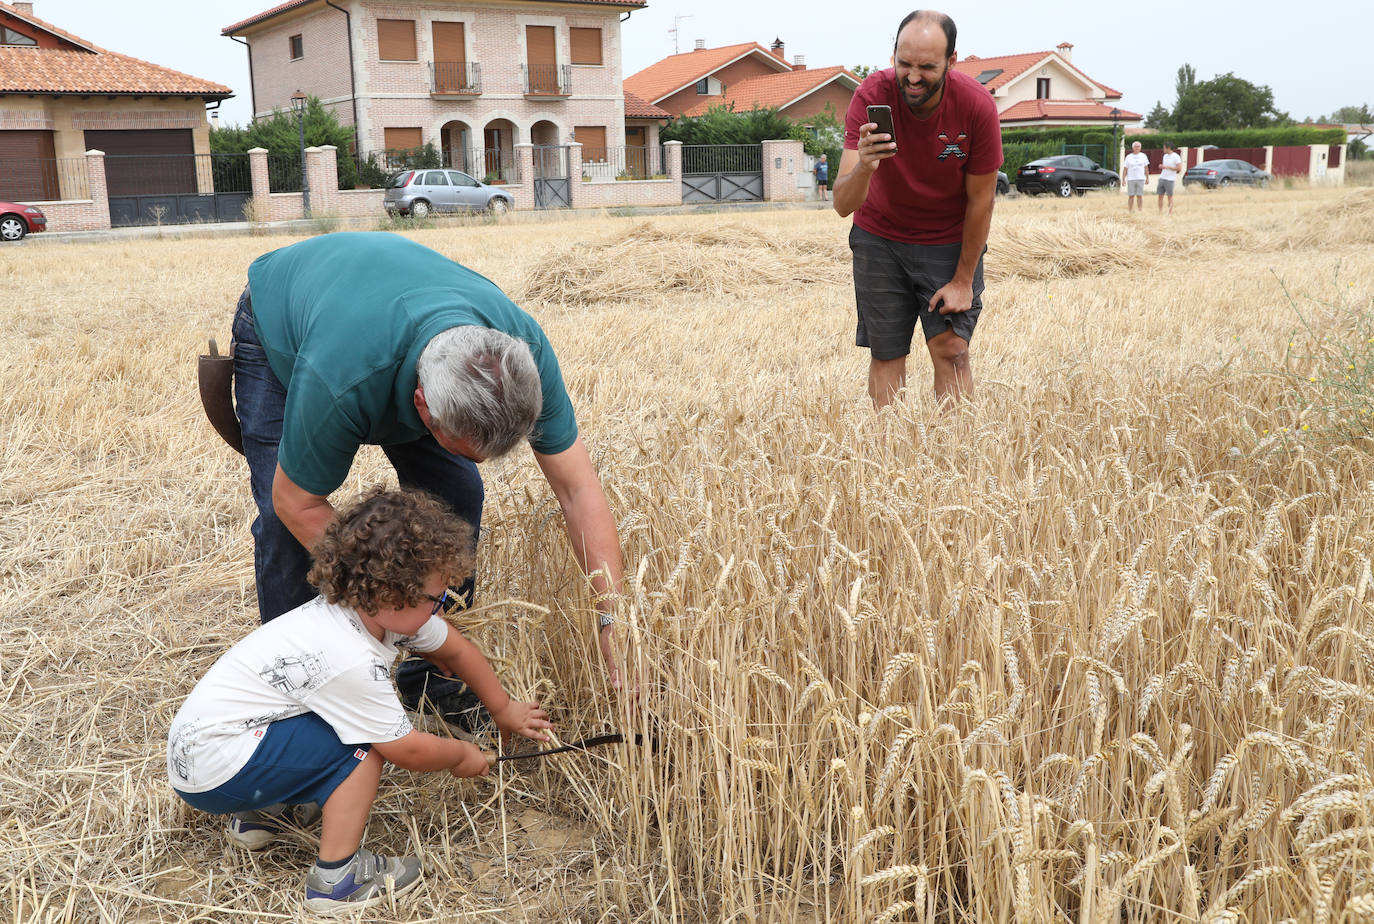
column 1170, row 165
column 316, row 658
column 1135, row 166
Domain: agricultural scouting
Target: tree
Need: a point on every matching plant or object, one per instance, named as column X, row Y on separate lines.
column 863, row 70
column 1350, row 115
column 1159, row 119
column 279, row 133
column 1226, row 102
column 1186, row 80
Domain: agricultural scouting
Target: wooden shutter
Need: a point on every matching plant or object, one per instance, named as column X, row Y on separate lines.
column 586, row 45
column 593, row 141
column 449, row 46
column 396, row 39
column 27, row 167
column 402, row 139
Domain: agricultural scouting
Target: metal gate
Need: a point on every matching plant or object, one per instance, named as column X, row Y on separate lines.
column 722, row 172
column 169, row 189
column 552, row 185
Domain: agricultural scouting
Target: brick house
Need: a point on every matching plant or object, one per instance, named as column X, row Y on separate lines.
column 61, row 96
column 1042, row 88
column 742, row 76
column 473, row 79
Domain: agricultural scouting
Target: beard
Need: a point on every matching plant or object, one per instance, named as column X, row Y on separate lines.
column 925, row 92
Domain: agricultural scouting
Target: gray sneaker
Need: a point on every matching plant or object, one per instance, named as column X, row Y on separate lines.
column 365, row 880
column 261, row 828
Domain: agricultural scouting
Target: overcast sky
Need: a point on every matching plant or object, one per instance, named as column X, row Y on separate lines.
column 1313, row 62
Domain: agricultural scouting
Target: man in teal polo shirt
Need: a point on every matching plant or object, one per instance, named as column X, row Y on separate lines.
column 355, row 339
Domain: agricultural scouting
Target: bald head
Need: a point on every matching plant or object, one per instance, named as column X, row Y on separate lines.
column 929, row 19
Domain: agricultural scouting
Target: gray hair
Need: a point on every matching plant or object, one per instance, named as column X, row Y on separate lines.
column 481, row 386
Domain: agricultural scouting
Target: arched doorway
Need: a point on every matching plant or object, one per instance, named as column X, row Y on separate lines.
column 456, row 147
column 498, row 152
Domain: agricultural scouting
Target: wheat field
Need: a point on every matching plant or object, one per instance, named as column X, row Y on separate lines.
column 1098, row 647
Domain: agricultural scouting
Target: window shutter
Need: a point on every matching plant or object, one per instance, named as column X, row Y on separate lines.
column 586, row 45
column 449, row 46
column 401, row 139
column 396, row 39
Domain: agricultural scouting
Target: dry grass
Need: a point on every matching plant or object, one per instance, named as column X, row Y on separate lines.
column 1099, row 646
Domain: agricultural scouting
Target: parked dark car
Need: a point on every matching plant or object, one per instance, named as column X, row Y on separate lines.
column 419, row 192
column 17, row 220
column 1064, row 175
column 1003, row 184
column 1214, row 173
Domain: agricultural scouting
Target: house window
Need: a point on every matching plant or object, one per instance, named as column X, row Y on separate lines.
column 402, row 139
column 297, row 47
column 396, row 40
column 704, row 86
column 593, row 141
column 1042, row 88
column 585, row 45
column 10, row 37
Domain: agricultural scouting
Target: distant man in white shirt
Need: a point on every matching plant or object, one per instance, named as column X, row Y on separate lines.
column 1136, row 164
column 1170, row 166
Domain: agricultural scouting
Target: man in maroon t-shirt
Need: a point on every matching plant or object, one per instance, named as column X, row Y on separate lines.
column 921, row 221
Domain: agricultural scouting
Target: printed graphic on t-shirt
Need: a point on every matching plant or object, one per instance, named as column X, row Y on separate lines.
column 295, row 673
column 952, row 146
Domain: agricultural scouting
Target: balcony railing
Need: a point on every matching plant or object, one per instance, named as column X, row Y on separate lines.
column 547, row 79
column 455, row 78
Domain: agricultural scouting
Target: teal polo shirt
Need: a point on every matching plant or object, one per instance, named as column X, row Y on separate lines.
column 343, row 319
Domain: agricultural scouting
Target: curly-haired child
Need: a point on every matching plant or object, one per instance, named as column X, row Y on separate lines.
column 303, row 710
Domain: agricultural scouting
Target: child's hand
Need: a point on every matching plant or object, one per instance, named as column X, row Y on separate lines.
column 472, row 763
column 523, row 719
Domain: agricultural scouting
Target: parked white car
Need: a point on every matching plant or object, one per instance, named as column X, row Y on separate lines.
column 420, row 192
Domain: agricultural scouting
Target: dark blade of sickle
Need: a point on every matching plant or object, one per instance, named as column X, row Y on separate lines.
column 582, row 745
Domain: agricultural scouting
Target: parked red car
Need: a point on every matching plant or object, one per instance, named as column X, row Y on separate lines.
column 18, row 220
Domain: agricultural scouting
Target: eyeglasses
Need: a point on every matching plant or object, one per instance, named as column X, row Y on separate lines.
column 445, row 603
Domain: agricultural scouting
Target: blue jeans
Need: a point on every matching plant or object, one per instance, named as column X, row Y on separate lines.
column 280, row 562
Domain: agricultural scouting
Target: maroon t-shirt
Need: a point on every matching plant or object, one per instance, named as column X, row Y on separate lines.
column 918, row 196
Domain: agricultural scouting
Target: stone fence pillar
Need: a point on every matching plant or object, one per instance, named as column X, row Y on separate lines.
column 781, row 161
column 97, row 191
column 523, row 191
column 262, row 186
column 574, row 173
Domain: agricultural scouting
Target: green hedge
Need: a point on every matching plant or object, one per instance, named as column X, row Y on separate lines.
column 1230, row 138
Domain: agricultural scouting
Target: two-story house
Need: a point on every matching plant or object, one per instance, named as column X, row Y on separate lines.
column 61, row 95
column 742, row 76
column 1041, row 88
column 473, row 79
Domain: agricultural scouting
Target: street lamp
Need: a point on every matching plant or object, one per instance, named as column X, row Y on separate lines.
column 298, row 106
column 1116, row 148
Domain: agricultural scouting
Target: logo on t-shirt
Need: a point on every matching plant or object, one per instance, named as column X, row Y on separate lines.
column 360, row 754
column 952, row 147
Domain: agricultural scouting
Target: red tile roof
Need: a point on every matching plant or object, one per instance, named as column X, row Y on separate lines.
column 1013, row 66
column 1035, row 110
column 292, row 4
column 775, row 90
column 89, row 68
column 675, row 72
column 637, row 108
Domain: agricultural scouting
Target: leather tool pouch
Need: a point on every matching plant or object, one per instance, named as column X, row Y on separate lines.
column 216, row 375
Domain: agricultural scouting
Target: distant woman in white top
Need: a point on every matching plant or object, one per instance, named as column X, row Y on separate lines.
column 1169, row 166
column 1136, row 164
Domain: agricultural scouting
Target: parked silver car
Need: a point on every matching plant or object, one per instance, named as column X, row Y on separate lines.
column 419, row 192
column 1214, row 173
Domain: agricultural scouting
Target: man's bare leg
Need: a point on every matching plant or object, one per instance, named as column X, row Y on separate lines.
column 953, row 374
column 886, row 377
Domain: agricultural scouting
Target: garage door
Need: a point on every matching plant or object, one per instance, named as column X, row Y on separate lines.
column 141, row 163
column 27, row 168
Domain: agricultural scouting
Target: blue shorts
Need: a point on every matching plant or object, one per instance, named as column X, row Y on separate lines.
column 299, row 760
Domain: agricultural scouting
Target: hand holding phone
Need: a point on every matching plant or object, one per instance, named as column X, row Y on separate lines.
column 882, row 117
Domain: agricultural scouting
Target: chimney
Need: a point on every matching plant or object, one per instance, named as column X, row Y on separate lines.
column 777, row 48
column 1065, row 51
column 23, row 9
column 799, row 62
column 700, row 45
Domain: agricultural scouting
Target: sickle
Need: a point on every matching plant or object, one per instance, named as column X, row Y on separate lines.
column 584, row 744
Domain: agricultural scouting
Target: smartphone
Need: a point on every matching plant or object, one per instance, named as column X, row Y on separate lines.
column 882, row 116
